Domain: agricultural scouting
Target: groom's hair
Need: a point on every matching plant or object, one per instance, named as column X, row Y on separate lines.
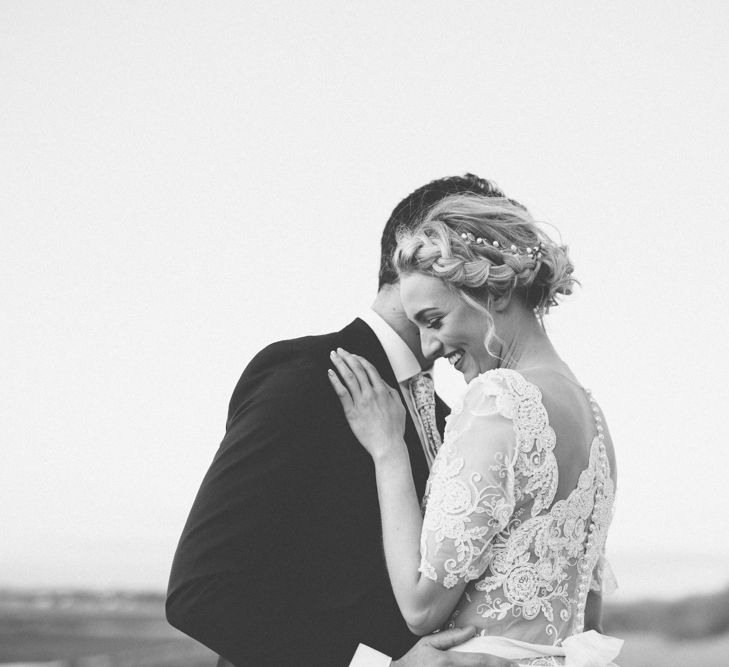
column 411, row 210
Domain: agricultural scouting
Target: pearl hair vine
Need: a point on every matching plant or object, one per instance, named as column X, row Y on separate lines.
column 536, row 252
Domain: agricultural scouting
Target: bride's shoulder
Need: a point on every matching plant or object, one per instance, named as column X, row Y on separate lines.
column 502, row 382
column 497, row 391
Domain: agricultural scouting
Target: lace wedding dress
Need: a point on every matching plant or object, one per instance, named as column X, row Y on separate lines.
column 491, row 519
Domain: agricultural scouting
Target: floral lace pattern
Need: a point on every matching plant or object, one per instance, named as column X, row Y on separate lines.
column 488, row 519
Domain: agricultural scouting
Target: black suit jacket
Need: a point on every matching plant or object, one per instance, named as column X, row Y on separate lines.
column 280, row 561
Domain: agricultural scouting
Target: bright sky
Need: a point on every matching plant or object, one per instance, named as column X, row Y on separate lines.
column 183, row 183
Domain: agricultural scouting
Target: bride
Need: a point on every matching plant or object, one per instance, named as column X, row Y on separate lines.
column 520, row 495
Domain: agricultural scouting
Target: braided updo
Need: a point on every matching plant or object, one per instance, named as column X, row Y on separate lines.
column 486, row 248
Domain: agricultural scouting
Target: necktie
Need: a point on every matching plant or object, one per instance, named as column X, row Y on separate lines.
column 423, row 395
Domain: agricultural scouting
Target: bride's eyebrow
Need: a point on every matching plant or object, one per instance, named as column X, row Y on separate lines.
column 421, row 315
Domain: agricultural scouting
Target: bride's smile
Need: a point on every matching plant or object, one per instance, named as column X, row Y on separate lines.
column 448, row 326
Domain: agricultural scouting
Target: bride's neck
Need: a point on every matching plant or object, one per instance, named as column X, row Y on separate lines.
column 526, row 344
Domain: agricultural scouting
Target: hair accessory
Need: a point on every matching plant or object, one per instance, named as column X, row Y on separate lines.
column 536, row 252
column 467, row 236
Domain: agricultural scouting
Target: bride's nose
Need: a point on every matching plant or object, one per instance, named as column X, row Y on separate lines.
column 431, row 346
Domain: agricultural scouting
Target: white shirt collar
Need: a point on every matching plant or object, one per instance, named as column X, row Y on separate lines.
column 401, row 358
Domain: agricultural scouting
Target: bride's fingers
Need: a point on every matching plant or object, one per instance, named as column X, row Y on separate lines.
column 340, row 390
column 374, row 377
column 345, row 372
column 355, row 365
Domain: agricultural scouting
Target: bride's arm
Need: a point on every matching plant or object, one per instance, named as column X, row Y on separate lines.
column 424, row 604
column 430, row 566
column 377, row 417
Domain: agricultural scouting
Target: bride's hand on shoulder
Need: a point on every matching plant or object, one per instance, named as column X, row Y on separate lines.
column 373, row 409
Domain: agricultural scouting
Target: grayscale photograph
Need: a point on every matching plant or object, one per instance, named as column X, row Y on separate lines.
column 364, row 334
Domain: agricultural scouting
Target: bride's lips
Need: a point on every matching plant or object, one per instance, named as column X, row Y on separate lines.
column 455, row 359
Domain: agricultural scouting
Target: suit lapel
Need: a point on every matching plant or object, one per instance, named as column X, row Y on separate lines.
column 360, row 339
column 441, row 412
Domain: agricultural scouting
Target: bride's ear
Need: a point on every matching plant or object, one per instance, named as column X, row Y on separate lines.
column 502, row 303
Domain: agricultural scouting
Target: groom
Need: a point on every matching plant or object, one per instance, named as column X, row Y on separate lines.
column 280, row 561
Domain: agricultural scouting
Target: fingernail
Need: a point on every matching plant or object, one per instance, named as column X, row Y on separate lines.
column 332, row 354
column 330, row 371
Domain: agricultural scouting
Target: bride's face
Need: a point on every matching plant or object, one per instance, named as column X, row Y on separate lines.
column 448, row 327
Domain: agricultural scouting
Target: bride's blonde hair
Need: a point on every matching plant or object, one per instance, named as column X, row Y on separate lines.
column 485, row 248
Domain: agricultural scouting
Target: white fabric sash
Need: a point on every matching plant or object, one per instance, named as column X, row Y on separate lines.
column 588, row 649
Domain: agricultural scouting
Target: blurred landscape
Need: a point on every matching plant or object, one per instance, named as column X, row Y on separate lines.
column 123, row 629
column 90, row 629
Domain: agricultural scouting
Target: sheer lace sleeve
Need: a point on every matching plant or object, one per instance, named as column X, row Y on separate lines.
column 470, row 494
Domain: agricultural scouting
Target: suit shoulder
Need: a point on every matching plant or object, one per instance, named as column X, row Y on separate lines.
column 290, row 356
column 286, row 369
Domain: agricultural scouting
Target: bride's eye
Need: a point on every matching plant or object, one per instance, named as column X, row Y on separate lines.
column 434, row 323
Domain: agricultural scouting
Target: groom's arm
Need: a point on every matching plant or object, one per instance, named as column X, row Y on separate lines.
column 238, row 549
column 432, row 651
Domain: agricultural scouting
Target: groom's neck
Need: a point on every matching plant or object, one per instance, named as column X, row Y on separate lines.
column 389, row 307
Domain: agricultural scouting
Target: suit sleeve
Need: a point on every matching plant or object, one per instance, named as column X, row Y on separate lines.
column 227, row 585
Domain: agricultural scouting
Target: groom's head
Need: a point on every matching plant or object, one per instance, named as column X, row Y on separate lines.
column 408, row 214
column 411, row 210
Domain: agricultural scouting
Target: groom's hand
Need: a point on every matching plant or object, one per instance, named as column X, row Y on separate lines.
column 432, row 651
